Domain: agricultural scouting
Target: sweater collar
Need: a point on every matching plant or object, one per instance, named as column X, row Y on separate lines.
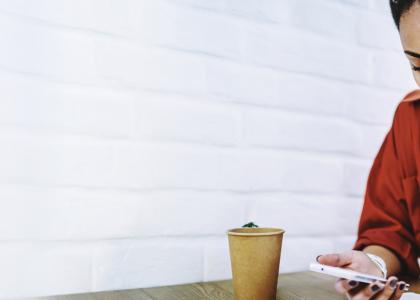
column 412, row 96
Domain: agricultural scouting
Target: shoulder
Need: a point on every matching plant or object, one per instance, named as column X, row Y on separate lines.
column 413, row 96
column 409, row 106
column 405, row 123
column 406, row 119
column 405, row 130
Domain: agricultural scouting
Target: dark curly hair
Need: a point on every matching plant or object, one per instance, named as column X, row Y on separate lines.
column 399, row 7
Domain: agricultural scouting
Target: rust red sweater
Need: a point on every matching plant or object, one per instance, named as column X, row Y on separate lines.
column 391, row 210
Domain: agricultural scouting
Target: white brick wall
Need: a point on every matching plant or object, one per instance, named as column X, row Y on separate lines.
column 135, row 133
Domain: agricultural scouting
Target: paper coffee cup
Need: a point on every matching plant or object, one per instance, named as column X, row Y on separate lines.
column 255, row 258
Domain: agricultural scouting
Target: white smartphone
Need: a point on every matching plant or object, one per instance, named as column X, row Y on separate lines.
column 343, row 273
column 346, row 274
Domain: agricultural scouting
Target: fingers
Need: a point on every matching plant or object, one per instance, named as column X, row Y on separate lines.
column 389, row 289
column 399, row 290
column 343, row 285
column 337, row 259
column 368, row 292
column 392, row 290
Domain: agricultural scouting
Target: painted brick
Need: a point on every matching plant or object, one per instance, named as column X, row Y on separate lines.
column 44, row 106
column 242, row 83
column 299, row 252
column 381, row 6
column 37, row 269
column 373, row 137
column 267, row 10
column 300, row 215
column 78, row 13
column 129, row 264
column 262, row 87
column 365, row 102
column 355, row 177
column 314, row 95
column 181, row 119
column 273, row 172
column 282, row 49
column 321, row 17
column 224, row 170
column 62, row 54
column 391, row 70
column 218, row 5
column 149, row 68
column 377, row 30
column 45, row 159
column 293, row 131
column 366, row 4
column 134, row 133
column 217, row 259
column 76, row 214
column 212, row 33
column 349, row 212
column 344, row 243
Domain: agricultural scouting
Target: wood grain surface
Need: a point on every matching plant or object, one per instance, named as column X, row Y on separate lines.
column 292, row 286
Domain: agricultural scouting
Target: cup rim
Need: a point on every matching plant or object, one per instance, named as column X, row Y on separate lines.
column 241, row 231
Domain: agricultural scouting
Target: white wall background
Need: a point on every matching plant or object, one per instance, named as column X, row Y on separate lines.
column 135, row 133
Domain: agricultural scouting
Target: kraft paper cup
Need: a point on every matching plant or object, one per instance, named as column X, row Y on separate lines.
column 255, row 258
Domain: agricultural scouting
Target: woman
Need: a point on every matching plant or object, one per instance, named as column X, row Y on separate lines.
column 388, row 242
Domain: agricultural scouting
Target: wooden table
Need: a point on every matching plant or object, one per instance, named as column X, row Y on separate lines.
column 292, row 286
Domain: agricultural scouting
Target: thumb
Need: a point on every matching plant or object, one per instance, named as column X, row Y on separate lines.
column 336, row 259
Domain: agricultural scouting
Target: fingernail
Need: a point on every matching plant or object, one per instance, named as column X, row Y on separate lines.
column 375, row 288
column 402, row 286
column 353, row 283
column 393, row 283
column 318, row 257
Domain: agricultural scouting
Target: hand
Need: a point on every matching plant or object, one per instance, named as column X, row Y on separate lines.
column 360, row 262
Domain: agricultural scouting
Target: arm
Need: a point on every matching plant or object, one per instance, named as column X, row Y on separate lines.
column 385, row 227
